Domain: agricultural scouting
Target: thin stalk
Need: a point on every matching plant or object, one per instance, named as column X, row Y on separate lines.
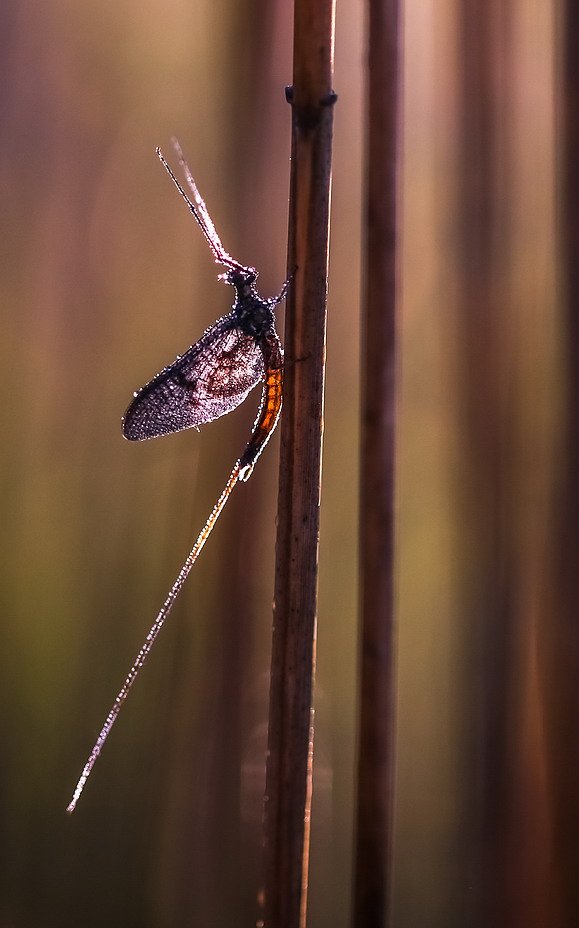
column 488, row 552
column 289, row 766
column 375, row 787
column 560, row 634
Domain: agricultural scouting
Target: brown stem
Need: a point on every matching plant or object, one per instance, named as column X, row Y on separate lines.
column 372, row 864
column 559, row 651
column 288, row 787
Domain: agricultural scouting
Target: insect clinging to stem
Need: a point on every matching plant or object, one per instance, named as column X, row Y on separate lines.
column 214, row 376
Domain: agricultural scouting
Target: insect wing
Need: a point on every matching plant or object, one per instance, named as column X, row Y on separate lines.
column 208, row 381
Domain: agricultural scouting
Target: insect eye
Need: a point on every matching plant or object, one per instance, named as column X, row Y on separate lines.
column 240, row 278
column 234, row 278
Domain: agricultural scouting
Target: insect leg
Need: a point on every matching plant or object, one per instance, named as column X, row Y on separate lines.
column 283, row 292
column 202, row 208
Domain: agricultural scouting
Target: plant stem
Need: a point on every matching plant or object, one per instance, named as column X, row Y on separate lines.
column 373, row 854
column 560, row 633
column 289, row 767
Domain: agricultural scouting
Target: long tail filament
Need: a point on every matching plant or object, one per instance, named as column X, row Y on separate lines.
column 151, row 637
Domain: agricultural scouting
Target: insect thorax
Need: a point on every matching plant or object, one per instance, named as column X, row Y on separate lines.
column 254, row 314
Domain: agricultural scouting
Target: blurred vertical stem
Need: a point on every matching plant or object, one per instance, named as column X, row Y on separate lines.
column 288, row 785
column 489, row 546
column 372, row 865
column 560, row 654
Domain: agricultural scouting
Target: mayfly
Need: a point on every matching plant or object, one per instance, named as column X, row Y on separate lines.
column 213, row 377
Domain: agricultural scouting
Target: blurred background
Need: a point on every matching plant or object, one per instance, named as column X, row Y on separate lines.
column 104, row 279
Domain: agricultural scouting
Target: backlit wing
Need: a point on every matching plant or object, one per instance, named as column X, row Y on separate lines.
column 208, row 381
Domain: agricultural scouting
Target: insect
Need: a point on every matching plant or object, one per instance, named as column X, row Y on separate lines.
column 214, row 376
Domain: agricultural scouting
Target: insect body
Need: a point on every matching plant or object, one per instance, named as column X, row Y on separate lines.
column 213, row 377
column 216, row 374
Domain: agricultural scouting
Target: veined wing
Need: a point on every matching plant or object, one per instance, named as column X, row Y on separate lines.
column 208, row 381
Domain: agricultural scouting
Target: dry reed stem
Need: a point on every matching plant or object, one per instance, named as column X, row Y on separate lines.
column 288, row 788
column 373, row 853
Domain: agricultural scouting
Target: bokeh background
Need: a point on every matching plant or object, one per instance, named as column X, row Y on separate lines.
column 104, row 279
